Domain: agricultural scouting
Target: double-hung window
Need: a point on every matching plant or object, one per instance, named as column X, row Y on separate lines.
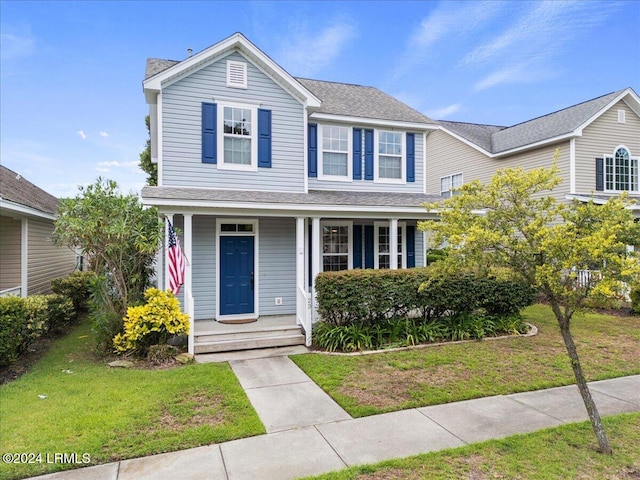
column 238, row 148
column 382, row 246
column 390, row 147
column 336, row 143
column 621, row 171
column 336, row 246
column 449, row 184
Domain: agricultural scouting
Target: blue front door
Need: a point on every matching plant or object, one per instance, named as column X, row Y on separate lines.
column 236, row 275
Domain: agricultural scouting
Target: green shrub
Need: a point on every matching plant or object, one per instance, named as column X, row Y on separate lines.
column 162, row 354
column 61, row 312
column 152, row 323
column 12, row 325
column 635, row 299
column 105, row 326
column 76, row 286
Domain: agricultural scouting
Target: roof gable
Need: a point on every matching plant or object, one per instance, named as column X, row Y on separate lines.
column 160, row 73
column 14, row 188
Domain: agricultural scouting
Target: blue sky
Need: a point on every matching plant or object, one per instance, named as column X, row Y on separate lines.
column 71, row 101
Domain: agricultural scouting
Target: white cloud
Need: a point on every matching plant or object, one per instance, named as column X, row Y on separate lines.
column 81, row 134
column 16, row 42
column 307, row 52
column 444, row 112
column 104, row 134
column 106, row 167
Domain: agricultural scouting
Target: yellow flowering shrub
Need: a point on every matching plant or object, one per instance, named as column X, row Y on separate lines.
column 152, row 323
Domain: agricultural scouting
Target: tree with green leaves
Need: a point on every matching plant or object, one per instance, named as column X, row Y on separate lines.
column 514, row 222
column 118, row 236
column 147, row 166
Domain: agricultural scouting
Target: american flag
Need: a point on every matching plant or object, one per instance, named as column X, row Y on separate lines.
column 175, row 261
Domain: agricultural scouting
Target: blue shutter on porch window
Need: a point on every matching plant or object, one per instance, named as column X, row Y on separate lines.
column 411, row 246
column 368, row 246
column 357, row 246
column 368, row 155
column 411, row 157
column 357, row 154
column 264, row 138
column 312, row 150
column 209, row 139
column 600, row 174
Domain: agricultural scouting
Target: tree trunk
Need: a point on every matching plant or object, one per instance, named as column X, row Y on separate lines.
column 592, row 410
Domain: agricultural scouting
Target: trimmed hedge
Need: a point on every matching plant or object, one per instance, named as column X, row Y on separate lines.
column 635, row 299
column 373, row 296
column 23, row 320
column 76, row 286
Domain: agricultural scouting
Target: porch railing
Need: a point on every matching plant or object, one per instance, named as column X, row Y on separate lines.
column 303, row 313
column 11, row 292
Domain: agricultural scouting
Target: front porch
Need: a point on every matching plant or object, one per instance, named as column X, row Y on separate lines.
column 211, row 336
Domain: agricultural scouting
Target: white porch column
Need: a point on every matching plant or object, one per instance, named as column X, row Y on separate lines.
column 166, row 247
column 393, row 244
column 188, row 294
column 316, row 246
column 24, row 257
column 300, row 250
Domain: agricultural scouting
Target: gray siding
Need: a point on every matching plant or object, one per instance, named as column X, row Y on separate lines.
column 10, row 252
column 204, row 266
column 46, row 261
column 446, row 155
column 601, row 138
column 277, row 251
column 370, row 185
column 181, row 132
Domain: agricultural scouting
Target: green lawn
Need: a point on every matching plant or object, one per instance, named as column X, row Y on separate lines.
column 558, row 453
column 114, row 414
column 369, row 384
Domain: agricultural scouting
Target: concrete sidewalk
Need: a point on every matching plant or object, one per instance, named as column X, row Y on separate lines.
column 309, row 434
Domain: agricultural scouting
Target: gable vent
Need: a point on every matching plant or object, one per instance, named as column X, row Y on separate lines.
column 236, row 74
column 621, row 116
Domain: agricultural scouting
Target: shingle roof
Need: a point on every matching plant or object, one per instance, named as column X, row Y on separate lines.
column 549, row 126
column 360, row 101
column 314, row 198
column 338, row 98
column 17, row 189
column 474, row 132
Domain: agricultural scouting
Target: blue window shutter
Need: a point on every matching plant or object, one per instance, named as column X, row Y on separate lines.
column 368, row 246
column 411, row 157
column 600, row 174
column 357, row 246
column 312, row 152
column 357, row 154
column 264, row 138
column 209, row 138
column 411, row 246
column 368, row 155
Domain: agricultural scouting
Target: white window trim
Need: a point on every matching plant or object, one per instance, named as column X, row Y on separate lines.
column 612, row 156
column 256, row 265
column 253, row 167
column 376, row 162
column 402, row 228
column 337, row 223
column 335, row 178
column 231, row 64
column 450, row 177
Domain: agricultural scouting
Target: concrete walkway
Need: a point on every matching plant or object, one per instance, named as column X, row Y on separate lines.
column 309, row 434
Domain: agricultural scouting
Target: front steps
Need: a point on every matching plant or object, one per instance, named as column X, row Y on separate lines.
column 248, row 339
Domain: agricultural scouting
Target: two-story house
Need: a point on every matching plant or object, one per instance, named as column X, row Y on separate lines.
column 272, row 179
column 598, row 142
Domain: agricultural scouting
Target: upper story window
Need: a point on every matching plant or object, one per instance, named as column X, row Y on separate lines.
column 390, row 165
column 449, row 184
column 238, row 146
column 621, row 171
column 335, row 152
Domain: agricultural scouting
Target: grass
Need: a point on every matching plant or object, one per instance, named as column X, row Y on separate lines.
column 114, row 414
column 558, row 453
column 370, row 384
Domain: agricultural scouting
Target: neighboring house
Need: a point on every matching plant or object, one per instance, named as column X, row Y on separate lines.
column 28, row 258
column 272, row 179
column 598, row 143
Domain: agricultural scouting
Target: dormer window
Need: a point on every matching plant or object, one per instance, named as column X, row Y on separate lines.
column 236, row 74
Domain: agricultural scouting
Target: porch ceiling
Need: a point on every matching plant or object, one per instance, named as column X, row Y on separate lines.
column 315, row 202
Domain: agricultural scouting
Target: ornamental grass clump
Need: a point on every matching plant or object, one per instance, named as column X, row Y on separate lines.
column 152, row 323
